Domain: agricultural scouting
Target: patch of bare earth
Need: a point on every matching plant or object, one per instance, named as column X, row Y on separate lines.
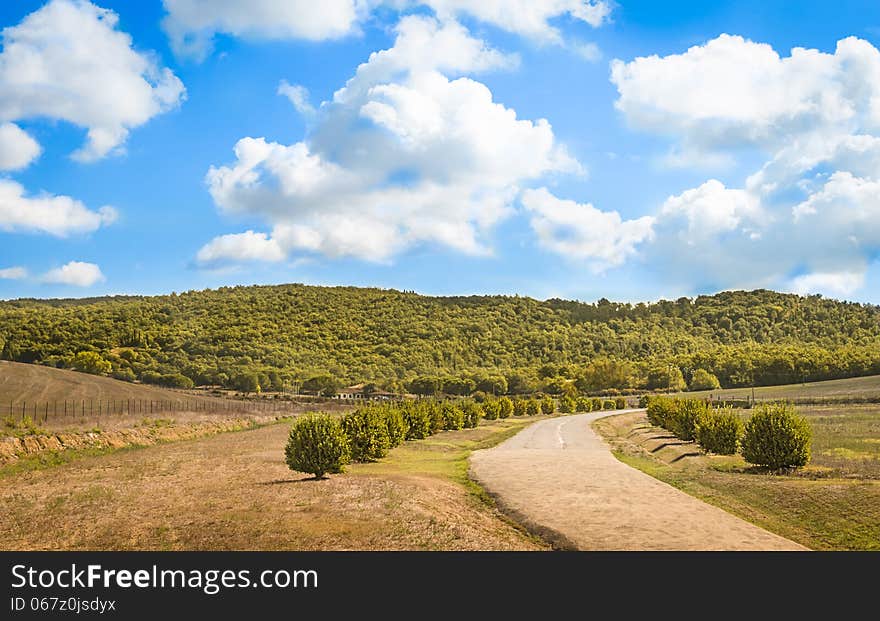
column 234, row 492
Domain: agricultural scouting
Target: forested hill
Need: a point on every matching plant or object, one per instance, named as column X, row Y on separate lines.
column 290, row 333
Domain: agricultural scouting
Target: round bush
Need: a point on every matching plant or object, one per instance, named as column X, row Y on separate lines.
column 584, row 404
column 533, row 407
column 472, row 413
column 492, row 409
column 396, row 425
column 719, row 431
column 548, row 405
column 683, row 422
column 597, row 404
column 505, row 407
column 620, row 403
column 453, row 417
column 567, row 404
column 609, row 404
column 776, row 437
column 418, row 421
column 661, row 411
column 317, row 445
column 520, row 407
column 367, row 434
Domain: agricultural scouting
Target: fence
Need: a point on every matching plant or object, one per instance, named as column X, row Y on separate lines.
column 98, row 408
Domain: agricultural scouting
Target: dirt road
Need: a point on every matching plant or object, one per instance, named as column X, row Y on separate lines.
column 559, row 478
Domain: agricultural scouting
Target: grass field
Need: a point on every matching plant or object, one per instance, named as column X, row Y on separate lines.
column 233, row 491
column 853, row 388
column 833, row 504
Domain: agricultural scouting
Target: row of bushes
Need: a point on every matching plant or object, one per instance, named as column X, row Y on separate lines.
column 775, row 436
column 321, row 444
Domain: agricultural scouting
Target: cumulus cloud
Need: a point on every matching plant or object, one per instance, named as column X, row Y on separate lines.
column 833, row 283
column 56, row 215
column 298, row 95
column 403, row 154
column 809, row 218
column 580, row 231
column 67, row 61
column 192, row 24
column 13, row 273
column 17, row 148
column 76, row 274
column 247, row 246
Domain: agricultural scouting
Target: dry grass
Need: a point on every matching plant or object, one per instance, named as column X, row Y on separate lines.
column 852, row 388
column 233, row 491
column 834, row 504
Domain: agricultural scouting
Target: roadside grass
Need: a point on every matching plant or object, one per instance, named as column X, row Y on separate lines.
column 233, row 491
column 833, row 504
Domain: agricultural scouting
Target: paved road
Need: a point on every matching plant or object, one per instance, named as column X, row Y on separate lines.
column 559, row 478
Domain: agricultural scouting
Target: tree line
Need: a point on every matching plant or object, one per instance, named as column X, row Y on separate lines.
column 321, row 339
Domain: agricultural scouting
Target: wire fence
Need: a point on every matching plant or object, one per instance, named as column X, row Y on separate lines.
column 44, row 411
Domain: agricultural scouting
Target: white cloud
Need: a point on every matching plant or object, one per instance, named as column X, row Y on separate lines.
column 56, row 215
column 247, row 246
column 712, row 209
column 13, row 273
column 67, row 61
column 402, row 155
column 76, row 274
column 192, row 24
column 834, row 283
column 17, row 148
column 813, row 209
column 590, row 52
column 733, row 92
column 297, row 95
column 580, row 231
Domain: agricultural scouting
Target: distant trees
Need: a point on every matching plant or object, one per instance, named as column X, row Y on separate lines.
column 91, row 362
column 703, row 380
column 666, row 378
column 325, row 385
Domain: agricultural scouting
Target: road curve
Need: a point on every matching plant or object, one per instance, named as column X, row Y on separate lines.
column 559, row 478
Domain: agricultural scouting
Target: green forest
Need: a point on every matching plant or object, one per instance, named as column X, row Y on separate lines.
column 319, row 339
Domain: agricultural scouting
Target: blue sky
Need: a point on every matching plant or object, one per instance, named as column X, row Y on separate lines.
column 677, row 161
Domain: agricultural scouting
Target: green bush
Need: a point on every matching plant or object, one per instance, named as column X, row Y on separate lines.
column 520, row 407
column 318, row 445
column 505, row 406
column 703, row 380
column 418, row 421
column 548, row 405
column 453, row 417
column 491, row 409
column 661, row 411
column 608, row 404
column 776, row 437
column 684, row 418
column 533, row 407
column 567, row 404
column 643, row 401
column 472, row 413
column 719, row 431
column 620, row 403
column 367, row 434
column 396, row 425
column 438, row 417
column 597, row 404
column 584, row 404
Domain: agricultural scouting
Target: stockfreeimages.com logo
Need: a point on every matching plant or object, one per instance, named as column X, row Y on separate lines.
column 209, row 581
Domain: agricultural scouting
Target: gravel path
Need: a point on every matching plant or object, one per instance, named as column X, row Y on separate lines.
column 559, row 478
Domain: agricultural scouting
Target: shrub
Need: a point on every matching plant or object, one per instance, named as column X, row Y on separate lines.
column 520, row 407
column 548, row 405
column 597, row 404
column 318, row 445
column 608, row 404
column 620, row 403
column 776, row 437
column 684, row 418
column 719, row 431
column 661, row 411
column 567, row 404
column 703, row 380
column 643, row 401
column 492, row 409
column 533, row 407
column 367, row 434
column 472, row 413
column 418, row 422
column 396, row 425
column 505, row 407
column 438, row 418
column 583, row 404
column 453, row 417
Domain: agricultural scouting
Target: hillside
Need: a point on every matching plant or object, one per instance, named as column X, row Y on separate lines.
column 40, row 384
column 277, row 336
